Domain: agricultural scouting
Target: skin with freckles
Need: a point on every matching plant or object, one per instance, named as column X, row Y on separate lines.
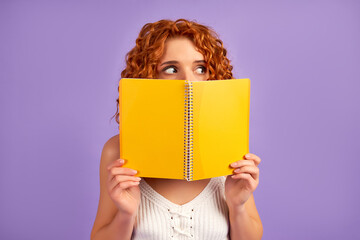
column 180, row 60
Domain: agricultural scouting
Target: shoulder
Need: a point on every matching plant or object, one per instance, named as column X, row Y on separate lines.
column 111, row 149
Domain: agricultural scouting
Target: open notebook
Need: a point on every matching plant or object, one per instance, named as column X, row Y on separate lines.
column 183, row 129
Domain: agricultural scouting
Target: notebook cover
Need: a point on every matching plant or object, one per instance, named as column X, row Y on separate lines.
column 221, row 125
column 152, row 126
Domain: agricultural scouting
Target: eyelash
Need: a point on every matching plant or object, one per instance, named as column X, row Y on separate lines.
column 203, row 68
column 168, row 67
column 174, row 67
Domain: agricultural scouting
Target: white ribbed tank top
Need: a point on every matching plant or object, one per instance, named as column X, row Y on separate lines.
column 203, row 218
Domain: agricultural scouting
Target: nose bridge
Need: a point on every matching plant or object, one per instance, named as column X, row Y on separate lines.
column 189, row 75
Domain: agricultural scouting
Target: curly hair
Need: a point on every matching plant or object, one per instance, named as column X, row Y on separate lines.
column 142, row 60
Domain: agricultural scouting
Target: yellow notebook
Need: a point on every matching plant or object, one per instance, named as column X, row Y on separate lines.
column 183, row 129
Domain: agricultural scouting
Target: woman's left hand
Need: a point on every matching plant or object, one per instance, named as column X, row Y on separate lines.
column 240, row 185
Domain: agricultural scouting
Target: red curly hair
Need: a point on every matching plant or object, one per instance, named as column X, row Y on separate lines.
column 142, row 60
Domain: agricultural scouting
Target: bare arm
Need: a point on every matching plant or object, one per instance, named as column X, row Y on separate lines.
column 120, row 228
column 244, row 218
column 245, row 222
column 119, row 196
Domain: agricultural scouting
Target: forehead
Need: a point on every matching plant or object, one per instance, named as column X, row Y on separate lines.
column 180, row 49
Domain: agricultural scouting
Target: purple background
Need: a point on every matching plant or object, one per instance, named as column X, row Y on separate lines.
column 60, row 65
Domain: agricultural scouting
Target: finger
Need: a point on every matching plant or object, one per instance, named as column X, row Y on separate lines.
column 241, row 163
column 252, row 170
column 119, row 179
column 125, row 185
column 115, row 171
column 122, row 171
column 254, row 157
column 247, row 177
column 116, row 163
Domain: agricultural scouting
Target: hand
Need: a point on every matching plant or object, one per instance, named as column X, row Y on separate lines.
column 240, row 185
column 123, row 187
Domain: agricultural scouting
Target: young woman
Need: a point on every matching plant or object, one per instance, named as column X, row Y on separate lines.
column 151, row 208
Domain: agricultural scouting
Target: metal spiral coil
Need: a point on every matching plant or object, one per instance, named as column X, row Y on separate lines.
column 188, row 132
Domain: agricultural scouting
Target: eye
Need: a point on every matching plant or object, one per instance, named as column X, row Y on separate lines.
column 170, row 70
column 200, row 70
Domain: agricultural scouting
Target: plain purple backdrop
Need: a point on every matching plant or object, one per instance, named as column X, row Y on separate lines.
column 60, row 65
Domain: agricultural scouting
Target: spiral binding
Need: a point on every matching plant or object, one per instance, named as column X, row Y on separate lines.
column 188, row 132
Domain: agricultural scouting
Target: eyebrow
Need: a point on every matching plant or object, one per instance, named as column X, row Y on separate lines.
column 175, row 62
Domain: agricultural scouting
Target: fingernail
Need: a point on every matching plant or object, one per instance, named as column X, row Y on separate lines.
column 234, row 164
column 121, row 161
column 237, row 170
column 247, row 156
column 134, row 171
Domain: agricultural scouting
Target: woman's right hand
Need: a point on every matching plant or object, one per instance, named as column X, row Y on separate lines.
column 123, row 187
